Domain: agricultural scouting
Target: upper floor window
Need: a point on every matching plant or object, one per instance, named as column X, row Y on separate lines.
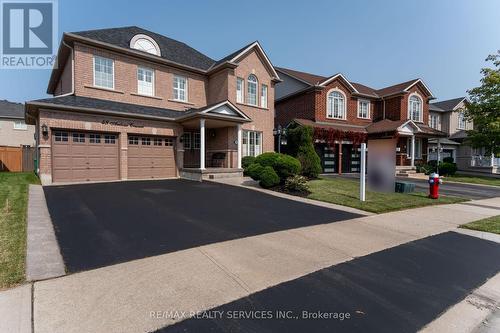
column 462, row 122
column 336, row 105
column 145, row 43
column 145, row 81
column 434, row 121
column 239, row 89
column 415, row 108
column 20, row 125
column 180, row 88
column 252, row 89
column 364, row 109
column 104, row 72
column 263, row 96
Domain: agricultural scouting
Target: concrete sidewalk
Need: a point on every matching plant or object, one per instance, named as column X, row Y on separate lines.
column 127, row 297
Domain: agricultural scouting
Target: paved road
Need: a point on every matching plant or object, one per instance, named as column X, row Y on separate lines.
column 102, row 224
column 400, row 289
column 469, row 191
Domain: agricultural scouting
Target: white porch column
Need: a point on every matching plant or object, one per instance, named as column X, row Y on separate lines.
column 240, row 137
column 438, row 150
column 413, row 150
column 202, row 144
column 492, row 159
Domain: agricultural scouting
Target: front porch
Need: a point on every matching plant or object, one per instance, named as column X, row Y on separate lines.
column 212, row 143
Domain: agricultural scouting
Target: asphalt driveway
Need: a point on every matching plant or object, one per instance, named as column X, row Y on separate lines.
column 400, row 289
column 107, row 223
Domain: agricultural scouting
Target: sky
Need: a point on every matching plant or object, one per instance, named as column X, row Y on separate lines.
column 376, row 43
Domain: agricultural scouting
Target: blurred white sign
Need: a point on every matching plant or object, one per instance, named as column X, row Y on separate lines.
column 381, row 165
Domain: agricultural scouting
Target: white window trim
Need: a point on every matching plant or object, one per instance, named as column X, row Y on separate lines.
column 242, row 80
column 418, row 154
column 368, row 111
column 256, row 90
column 112, row 71
column 247, row 150
column 421, row 116
column 344, row 117
column 20, row 125
column 153, row 91
column 266, row 104
column 186, row 92
column 459, row 123
column 151, row 40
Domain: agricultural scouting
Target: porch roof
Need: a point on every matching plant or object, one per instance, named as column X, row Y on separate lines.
column 341, row 127
column 402, row 127
column 223, row 110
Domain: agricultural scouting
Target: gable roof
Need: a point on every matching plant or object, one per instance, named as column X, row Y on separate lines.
column 448, row 105
column 318, row 80
column 11, row 110
column 171, row 49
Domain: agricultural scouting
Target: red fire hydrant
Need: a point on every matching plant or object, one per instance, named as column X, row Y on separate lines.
column 434, row 182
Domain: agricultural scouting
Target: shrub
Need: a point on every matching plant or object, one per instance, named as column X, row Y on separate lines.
column 254, row 171
column 268, row 177
column 300, row 145
column 432, row 163
column 284, row 165
column 447, row 169
column 448, row 160
column 246, row 161
column 297, row 184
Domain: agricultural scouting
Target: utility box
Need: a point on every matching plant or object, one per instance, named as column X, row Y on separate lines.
column 403, row 187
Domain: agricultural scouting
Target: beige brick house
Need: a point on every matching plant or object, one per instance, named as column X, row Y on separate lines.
column 132, row 104
column 14, row 132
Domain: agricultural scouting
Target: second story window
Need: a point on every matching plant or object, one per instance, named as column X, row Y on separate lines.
column 239, row 89
column 263, row 96
column 145, row 81
column 252, row 90
column 434, row 121
column 180, row 88
column 104, row 72
column 336, row 105
column 20, row 125
column 461, row 120
column 415, row 108
column 363, row 109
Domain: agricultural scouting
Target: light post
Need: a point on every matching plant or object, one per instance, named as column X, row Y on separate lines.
column 278, row 132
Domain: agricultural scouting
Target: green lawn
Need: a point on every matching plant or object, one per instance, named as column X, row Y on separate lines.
column 13, row 204
column 474, row 179
column 491, row 224
column 346, row 192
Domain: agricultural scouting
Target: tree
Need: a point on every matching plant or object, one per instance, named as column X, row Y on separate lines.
column 300, row 145
column 483, row 109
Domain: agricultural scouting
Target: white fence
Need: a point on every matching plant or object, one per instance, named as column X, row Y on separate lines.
column 484, row 161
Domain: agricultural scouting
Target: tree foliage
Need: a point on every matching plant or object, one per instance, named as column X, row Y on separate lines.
column 483, row 108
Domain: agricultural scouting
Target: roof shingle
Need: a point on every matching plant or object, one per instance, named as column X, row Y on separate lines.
column 11, row 110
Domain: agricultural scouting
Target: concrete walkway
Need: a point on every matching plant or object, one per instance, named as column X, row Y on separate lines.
column 43, row 258
column 134, row 296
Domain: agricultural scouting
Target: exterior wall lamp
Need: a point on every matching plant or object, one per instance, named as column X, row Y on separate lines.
column 45, row 130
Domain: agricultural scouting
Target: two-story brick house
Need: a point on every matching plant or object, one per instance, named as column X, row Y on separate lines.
column 344, row 114
column 132, row 104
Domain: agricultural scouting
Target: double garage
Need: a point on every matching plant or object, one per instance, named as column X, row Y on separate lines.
column 95, row 156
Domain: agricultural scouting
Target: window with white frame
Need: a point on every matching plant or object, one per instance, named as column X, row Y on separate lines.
column 252, row 89
column 336, row 105
column 462, row 122
column 104, row 72
column 251, row 143
column 415, row 108
column 363, row 109
column 434, row 121
column 20, row 125
column 239, row 89
column 180, row 88
column 263, row 96
column 418, row 148
column 145, row 81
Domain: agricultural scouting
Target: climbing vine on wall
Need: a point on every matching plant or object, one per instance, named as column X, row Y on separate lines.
column 330, row 135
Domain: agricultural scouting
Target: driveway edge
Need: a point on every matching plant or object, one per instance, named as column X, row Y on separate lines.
column 43, row 256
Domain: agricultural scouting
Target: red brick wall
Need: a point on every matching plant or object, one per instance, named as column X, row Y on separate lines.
column 393, row 108
column 425, row 99
column 298, row 106
column 66, row 81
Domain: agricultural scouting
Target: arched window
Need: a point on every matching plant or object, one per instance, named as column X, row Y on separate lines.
column 415, row 108
column 146, row 44
column 336, row 105
column 252, row 89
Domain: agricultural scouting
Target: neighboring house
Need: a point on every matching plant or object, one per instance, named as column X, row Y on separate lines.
column 351, row 112
column 14, row 132
column 132, row 104
column 448, row 116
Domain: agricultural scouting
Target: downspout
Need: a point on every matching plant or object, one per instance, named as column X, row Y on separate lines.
column 383, row 108
column 72, row 55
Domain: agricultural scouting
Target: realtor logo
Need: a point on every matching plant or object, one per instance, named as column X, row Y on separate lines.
column 29, row 32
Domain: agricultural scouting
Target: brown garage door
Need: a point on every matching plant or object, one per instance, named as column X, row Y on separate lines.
column 78, row 156
column 150, row 157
